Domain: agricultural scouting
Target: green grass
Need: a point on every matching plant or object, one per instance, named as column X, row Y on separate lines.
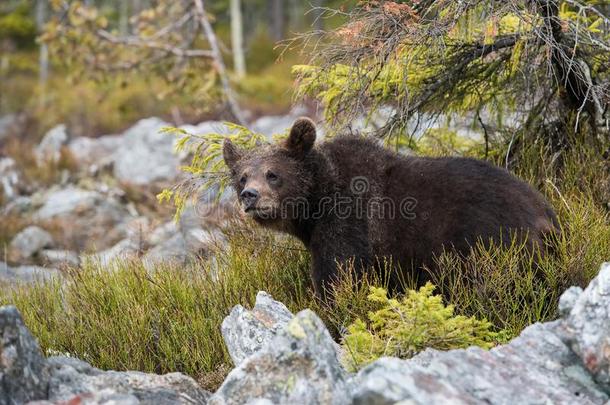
column 169, row 319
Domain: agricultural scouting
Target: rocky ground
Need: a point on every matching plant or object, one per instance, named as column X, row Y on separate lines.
column 281, row 358
column 104, row 207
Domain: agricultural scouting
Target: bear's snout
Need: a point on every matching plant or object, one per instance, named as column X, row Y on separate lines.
column 248, row 196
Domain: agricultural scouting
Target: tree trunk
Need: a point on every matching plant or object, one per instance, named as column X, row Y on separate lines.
column 123, row 17
column 136, row 7
column 296, row 14
column 43, row 56
column 220, row 65
column 237, row 36
column 276, row 15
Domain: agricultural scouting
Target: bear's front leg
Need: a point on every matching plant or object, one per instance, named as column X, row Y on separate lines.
column 335, row 247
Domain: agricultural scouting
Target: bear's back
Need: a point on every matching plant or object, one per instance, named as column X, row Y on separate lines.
column 438, row 202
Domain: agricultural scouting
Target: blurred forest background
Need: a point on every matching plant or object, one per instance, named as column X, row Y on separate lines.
column 93, row 65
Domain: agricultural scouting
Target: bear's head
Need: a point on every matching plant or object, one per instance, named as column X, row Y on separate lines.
column 272, row 181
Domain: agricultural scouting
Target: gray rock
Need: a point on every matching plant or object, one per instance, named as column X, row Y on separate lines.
column 67, row 201
column 53, row 257
column 72, row 378
column 279, row 124
column 177, row 244
column 200, row 241
column 26, row 274
column 587, row 327
column 162, row 233
column 535, row 368
column 246, row 332
column 50, row 146
column 19, row 205
column 203, row 128
column 146, row 156
column 23, row 373
column 568, row 300
column 28, row 242
column 173, row 250
column 273, row 125
column 9, row 179
column 298, row 366
column 102, row 397
column 122, row 250
column 95, row 151
column 390, row 380
column 8, row 123
column 88, row 218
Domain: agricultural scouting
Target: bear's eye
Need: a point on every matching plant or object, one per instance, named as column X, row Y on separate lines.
column 271, row 176
column 243, row 179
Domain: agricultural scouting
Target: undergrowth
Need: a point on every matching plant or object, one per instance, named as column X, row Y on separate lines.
column 169, row 319
column 404, row 327
column 126, row 318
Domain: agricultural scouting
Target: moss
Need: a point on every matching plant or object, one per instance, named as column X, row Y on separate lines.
column 295, row 329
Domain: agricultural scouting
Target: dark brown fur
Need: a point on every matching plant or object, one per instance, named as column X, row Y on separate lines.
column 448, row 202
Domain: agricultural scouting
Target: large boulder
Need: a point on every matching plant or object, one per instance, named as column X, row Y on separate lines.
column 24, row 374
column 245, row 332
column 26, row 274
column 146, row 156
column 95, row 151
column 125, row 249
column 178, row 246
column 9, row 179
column 283, row 360
column 172, row 250
column 84, row 217
column 298, row 366
column 279, row 124
column 9, row 124
column 72, row 380
column 58, row 257
column 28, row 242
column 536, row 367
column 50, row 146
column 587, row 327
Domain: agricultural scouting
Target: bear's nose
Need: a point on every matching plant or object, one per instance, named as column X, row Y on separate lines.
column 249, row 197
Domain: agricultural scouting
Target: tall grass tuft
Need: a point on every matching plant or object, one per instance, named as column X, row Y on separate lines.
column 124, row 318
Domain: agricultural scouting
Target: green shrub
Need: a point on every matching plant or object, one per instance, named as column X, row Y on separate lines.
column 123, row 317
column 403, row 327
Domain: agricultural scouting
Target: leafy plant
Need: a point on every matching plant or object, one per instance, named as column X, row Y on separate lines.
column 207, row 167
column 403, row 327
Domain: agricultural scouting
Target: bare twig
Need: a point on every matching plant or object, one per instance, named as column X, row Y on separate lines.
column 140, row 43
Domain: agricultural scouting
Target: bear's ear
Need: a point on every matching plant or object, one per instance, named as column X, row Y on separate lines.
column 230, row 153
column 302, row 137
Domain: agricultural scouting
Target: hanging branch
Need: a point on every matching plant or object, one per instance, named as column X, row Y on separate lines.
column 434, row 57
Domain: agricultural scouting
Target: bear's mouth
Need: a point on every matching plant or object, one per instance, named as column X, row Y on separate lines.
column 260, row 212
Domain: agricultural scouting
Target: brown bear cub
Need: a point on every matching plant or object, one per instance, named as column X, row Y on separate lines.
column 350, row 199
